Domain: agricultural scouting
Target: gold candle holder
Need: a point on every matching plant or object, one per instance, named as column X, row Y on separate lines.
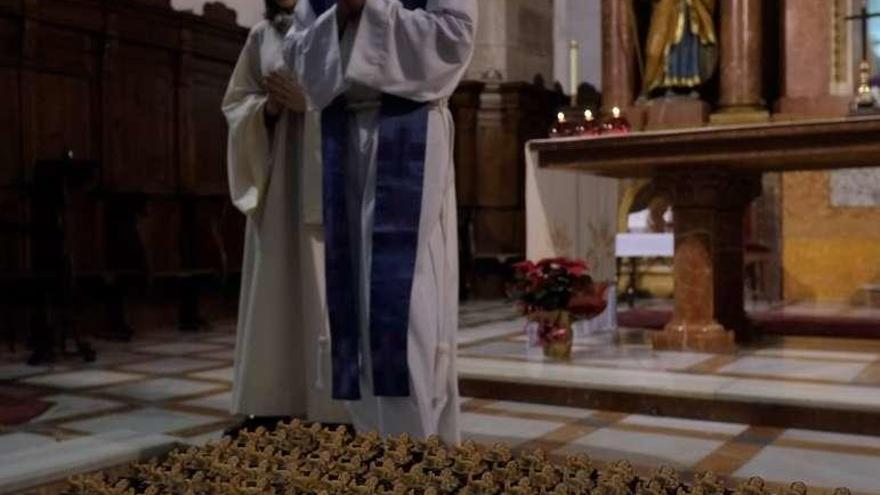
column 865, row 99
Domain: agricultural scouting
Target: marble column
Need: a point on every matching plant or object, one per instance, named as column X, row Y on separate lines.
column 517, row 45
column 618, row 56
column 741, row 58
column 807, row 49
column 708, row 268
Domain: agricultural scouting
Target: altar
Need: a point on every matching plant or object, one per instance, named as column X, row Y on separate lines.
column 710, row 174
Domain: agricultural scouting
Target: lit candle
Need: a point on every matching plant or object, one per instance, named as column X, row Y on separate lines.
column 561, row 117
column 588, row 115
column 573, row 68
column 615, row 112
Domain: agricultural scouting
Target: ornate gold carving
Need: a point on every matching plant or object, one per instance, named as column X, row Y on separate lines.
column 295, row 459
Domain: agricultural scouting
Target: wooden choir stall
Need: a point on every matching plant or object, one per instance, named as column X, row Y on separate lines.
column 112, row 163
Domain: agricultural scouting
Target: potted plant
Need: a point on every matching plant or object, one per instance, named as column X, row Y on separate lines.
column 554, row 293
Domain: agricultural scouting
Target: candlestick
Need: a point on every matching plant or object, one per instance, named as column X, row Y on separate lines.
column 574, row 54
column 864, row 99
column 617, row 124
column 590, row 127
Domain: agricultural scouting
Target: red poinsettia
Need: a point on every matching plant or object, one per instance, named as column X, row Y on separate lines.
column 555, row 284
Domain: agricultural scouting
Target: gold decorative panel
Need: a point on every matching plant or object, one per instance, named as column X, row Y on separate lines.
column 828, row 253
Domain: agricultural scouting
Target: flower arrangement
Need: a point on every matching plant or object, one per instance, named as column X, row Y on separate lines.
column 553, row 292
column 557, row 284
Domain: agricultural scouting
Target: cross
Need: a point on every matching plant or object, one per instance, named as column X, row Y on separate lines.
column 864, row 17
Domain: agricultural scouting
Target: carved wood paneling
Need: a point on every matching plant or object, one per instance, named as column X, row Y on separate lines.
column 10, row 42
column 60, row 118
column 493, row 123
column 13, row 245
column 207, row 172
column 136, row 87
column 465, row 105
column 142, row 117
column 10, row 128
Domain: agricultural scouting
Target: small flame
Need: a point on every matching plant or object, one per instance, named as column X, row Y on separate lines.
column 560, row 116
column 588, row 115
column 615, row 112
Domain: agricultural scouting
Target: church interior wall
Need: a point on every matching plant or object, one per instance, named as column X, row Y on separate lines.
column 829, row 246
column 145, row 215
column 829, row 252
column 579, row 20
column 514, row 41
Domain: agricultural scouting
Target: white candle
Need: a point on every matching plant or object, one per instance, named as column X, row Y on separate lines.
column 573, row 69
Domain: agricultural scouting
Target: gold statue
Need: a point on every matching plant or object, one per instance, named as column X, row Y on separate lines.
column 681, row 48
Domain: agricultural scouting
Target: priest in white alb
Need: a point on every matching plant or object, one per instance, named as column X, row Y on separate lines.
column 272, row 151
column 381, row 71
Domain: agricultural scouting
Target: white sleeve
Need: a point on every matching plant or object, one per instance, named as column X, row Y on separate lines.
column 313, row 50
column 248, row 146
column 415, row 54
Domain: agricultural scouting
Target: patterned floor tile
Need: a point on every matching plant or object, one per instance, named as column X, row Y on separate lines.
column 731, row 429
column 530, row 408
column 644, row 359
column 794, row 368
column 487, row 428
column 205, row 439
column 224, row 339
column 822, row 437
column 160, row 389
column 646, row 449
column 816, row 468
column 224, row 374
column 67, row 405
column 11, row 443
column 14, row 371
column 181, row 348
column 148, row 421
column 82, row 379
column 220, row 402
column 171, row 365
column 114, row 357
column 789, row 353
column 223, row 355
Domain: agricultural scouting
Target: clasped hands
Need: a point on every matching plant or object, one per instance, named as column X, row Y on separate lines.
column 284, row 92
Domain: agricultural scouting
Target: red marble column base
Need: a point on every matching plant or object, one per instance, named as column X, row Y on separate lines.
column 678, row 336
column 709, row 208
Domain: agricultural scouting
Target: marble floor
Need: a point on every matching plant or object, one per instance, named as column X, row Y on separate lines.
column 839, row 374
column 168, row 388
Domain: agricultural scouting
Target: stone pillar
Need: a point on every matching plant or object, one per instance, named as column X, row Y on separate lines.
column 708, row 214
column 741, row 60
column 516, row 42
column 618, row 55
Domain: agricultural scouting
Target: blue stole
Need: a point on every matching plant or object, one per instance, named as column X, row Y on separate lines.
column 403, row 129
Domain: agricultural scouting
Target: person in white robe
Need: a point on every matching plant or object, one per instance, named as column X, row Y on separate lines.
column 272, row 144
column 382, row 71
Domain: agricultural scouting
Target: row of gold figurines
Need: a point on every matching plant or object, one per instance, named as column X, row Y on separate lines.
column 295, row 458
